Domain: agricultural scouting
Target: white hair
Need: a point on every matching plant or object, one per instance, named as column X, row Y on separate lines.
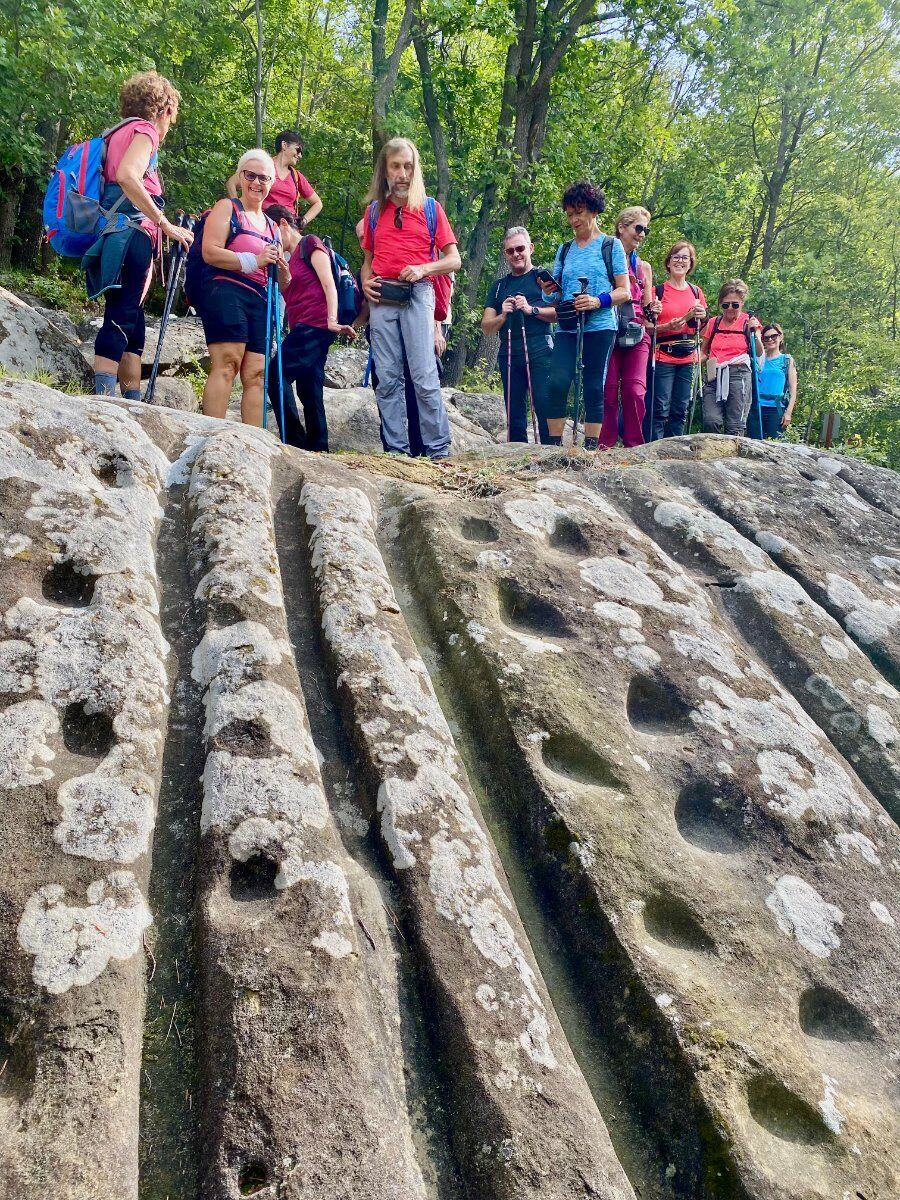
column 257, row 155
column 516, row 231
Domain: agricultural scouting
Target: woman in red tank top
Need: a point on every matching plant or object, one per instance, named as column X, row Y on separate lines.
column 234, row 311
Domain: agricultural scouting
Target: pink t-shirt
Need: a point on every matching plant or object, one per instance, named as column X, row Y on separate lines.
column 251, row 240
column 305, row 296
column 410, row 245
column 286, row 190
column 117, row 144
column 675, row 303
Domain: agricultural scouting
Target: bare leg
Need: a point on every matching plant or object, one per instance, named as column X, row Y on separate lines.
column 252, row 371
column 226, row 362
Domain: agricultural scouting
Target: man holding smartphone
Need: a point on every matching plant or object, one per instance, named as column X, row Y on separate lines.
column 517, row 309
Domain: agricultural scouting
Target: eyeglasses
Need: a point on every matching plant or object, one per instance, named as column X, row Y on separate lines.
column 771, row 337
column 398, row 218
column 511, row 250
column 731, row 304
column 250, row 176
column 641, row 228
column 680, row 258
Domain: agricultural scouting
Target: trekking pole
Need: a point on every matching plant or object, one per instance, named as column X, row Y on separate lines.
column 696, row 380
column 269, row 290
column 183, row 221
column 579, row 364
column 508, row 396
column 754, row 377
column 652, row 379
column 281, row 426
column 534, row 423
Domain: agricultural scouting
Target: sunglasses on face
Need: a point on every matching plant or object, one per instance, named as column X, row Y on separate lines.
column 641, row 228
column 731, row 304
column 398, row 218
column 771, row 337
column 511, row 250
column 250, row 176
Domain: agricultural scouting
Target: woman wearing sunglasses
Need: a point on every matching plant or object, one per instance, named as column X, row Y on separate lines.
column 239, row 243
column 728, row 341
column 682, row 306
column 777, row 384
column 626, row 375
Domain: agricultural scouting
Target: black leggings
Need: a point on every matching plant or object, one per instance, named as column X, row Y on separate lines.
column 303, row 355
column 123, row 328
column 597, row 348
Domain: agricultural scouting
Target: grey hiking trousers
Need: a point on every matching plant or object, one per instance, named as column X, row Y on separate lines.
column 415, row 321
column 725, row 408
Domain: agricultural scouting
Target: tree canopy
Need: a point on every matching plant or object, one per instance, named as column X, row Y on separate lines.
column 764, row 132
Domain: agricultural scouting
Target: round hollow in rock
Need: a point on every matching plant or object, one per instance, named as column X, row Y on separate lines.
column 63, row 583
column 89, row 734
column 524, row 612
column 670, row 921
column 477, row 529
column 655, row 708
column 571, row 756
column 708, row 820
column 113, row 470
column 569, row 536
column 254, row 879
column 247, row 738
column 783, row 1114
column 253, row 1176
column 827, row 1015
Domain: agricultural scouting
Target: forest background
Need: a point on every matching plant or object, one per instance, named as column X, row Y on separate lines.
column 764, row 132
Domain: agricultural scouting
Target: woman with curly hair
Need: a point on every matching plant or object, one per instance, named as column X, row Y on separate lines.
column 120, row 263
column 599, row 260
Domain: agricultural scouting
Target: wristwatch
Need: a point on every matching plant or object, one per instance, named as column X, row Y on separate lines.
column 535, row 311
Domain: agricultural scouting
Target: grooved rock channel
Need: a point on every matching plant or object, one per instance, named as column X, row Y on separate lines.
column 519, row 828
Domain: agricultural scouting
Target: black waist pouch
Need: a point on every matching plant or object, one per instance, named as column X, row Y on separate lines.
column 396, row 292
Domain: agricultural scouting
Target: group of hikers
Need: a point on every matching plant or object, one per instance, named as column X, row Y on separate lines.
column 636, row 352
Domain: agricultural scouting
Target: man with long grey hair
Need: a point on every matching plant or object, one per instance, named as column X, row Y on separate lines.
column 407, row 244
column 517, row 309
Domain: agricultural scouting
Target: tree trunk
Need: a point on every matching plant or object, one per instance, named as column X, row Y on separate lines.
column 258, row 96
column 386, row 66
column 433, row 120
column 11, row 183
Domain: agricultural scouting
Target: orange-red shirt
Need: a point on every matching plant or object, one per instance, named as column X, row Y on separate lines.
column 675, row 303
column 730, row 341
column 408, row 246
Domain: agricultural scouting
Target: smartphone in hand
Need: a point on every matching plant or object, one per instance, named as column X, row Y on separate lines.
column 547, row 282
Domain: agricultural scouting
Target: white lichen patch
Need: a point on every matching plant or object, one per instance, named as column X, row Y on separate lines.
column 535, row 515
column 869, row 620
column 773, row 543
column 72, row 945
column 698, row 525
column 230, row 492
column 717, row 654
column 775, row 590
column 881, row 912
column 796, row 767
column 236, row 653
column 24, row 729
column 881, row 726
column 493, row 560
column 858, row 843
column 562, row 487
column 106, row 816
column 802, row 913
column 835, row 648
column 831, row 1114
column 620, row 581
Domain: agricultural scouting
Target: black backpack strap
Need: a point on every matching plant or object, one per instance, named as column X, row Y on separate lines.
column 606, row 253
column 694, row 289
column 566, row 247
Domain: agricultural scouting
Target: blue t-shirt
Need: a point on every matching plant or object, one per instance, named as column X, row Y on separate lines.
column 588, row 261
column 773, row 380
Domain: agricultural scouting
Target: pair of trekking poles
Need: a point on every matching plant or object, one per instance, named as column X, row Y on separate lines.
column 534, row 423
column 177, row 265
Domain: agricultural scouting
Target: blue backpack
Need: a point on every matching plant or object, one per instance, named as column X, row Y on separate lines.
column 442, row 284
column 74, row 216
column 349, row 296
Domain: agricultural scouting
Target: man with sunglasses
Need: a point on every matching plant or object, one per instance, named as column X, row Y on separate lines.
column 407, row 244
column 517, row 309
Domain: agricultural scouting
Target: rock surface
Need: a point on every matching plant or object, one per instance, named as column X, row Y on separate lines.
column 353, row 423
column 29, row 343
column 345, row 366
column 519, row 828
column 183, row 348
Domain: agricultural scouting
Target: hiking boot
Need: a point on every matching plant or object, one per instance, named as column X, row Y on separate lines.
column 591, row 443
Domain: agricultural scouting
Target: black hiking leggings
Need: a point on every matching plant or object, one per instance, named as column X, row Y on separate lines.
column 123, row 329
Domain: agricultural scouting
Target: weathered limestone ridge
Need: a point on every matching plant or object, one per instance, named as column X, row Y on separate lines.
column 527, row 825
